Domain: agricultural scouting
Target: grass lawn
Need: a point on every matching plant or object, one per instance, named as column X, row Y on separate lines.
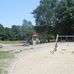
column 6, row 55
column 10, row 42
column 5, row 58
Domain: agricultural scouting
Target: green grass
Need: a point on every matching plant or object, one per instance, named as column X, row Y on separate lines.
column 3, row 66
column 5, row 58
column 10, row 42
column 6, row 55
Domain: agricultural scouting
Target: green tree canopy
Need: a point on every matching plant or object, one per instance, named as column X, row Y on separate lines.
column 56, row 13
column 64, row 17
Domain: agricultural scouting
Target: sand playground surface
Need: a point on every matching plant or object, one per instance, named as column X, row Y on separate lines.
column 38, row 59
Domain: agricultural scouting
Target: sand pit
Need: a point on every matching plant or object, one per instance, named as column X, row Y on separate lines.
column 41, row 61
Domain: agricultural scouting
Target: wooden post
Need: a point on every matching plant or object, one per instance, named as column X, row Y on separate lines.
column 55, row 48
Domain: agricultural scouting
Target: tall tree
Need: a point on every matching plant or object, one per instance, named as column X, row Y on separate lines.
column 44, row 14
column 65, row 17
column 8, row 33
column 15, row 32
column 27, row 29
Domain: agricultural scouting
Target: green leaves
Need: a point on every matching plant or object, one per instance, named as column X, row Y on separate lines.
column 17, row 32
column 44, row 12
column 58, row 14
column 64, row 14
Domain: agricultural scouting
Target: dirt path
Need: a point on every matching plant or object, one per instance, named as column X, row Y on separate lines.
column 41, row 61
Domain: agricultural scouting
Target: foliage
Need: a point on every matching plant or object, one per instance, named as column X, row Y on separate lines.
column 2, row 32
column 51, row 16
column 27, row 29
column 65, row 18
column 44, row 14
column 55, row 17
column 17, row 32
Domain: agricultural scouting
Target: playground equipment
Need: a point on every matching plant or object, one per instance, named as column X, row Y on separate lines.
column 35, row 39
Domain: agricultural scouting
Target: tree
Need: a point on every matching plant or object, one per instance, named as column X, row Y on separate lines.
column 44, row 14
column 8, row 33
column 15, row 32
column 2, row 32
column 64, row 17
column 27, row 29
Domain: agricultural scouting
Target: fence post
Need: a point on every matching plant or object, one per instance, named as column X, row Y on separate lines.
column 55, row 48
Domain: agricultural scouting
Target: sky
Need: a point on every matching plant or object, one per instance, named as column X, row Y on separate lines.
column 14, row 11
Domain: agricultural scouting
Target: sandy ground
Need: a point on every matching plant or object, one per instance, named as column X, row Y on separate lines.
column 40, row 60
